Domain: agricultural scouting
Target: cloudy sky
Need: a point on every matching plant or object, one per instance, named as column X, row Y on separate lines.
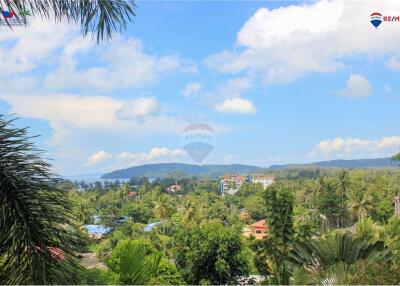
column 279, row 82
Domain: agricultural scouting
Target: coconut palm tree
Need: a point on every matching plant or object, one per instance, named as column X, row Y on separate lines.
column 343, row 184
column 123, row 192
column 162, row 209
column 359, row 203
column 38, row 237
column 189, row 213
column 103, row 18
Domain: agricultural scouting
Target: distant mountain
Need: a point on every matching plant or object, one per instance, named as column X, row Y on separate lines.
column 346, row 164
column 165, row 169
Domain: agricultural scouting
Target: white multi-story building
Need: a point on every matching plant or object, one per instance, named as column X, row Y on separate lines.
column 264, row 180
column 230, row 184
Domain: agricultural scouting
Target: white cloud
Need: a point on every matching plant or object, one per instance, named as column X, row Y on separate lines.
column 156, row 154
column 283, row 44
column 191, row 89
column 127, row 159
column 122, row 64
column 356, row 86
column 72, row 117
column 78, row 111
column 28, row 47
column 230, row 89
column 394, row 63
column 98, row 157
column 236, row 105
column 347, row 148
column 139, row 107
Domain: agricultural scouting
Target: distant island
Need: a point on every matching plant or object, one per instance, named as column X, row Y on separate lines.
column 162, row 170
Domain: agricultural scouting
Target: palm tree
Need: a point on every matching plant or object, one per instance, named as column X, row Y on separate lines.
column 104, row 18
column 38, row 237
column 135, row 269
column 189, row 213
column 84, row 215
column 123, row 192
column 343, row 184
column 359, row 203
column 162, row 209
column 332, row 260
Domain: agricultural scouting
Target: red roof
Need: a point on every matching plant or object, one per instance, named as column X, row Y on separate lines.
column 55, row 252
column 260, row 224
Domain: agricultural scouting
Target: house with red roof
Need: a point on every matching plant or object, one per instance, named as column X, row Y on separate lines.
column 259, row 229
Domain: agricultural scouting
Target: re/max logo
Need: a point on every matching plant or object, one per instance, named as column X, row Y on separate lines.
column 376, row 19
column 391, row 18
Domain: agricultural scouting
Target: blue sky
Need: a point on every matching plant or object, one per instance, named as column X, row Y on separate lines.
column 278, row 81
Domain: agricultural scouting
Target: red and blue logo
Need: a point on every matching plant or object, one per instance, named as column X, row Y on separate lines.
column 376, row 19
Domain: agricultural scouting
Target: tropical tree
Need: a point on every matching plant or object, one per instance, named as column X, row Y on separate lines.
column 343, row 184
column 123, row 192
column 276, row 246
column 211, row 254
column 101, row 17
column 137, row 262
column 359, row 202
column 189, row 213
column 396, row 157
column 133, row 268
column 332, row 260
column 38, row 237
column 162, row 210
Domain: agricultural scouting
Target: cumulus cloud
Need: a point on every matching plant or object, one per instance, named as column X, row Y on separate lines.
column 127, row 159
column 236, row 105
column 139, row 107
column 347, row 148
column 78, row 111
column 122, row 64
column 29, row 47
column 98, row 157
column 191, row 89
column 356, row 86
column 283, row 44
column 72, row 117
column 230, row 89
column 156, row 154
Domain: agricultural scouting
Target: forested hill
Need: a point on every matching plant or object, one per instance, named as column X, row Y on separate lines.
column 346, row 164
column 166, row 169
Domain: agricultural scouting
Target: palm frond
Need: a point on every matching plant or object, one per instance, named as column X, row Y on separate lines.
column 37, row 239
column 103, row 18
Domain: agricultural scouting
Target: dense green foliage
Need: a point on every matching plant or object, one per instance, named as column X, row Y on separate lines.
column 38, row 237
column 200, row 234
column 326, row 227
column 211, row 254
